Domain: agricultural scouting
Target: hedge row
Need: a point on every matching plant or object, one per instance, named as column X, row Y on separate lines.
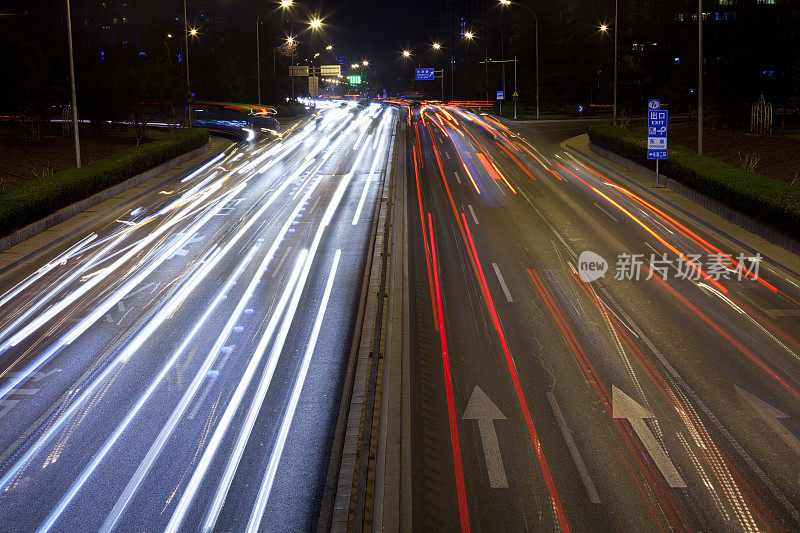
column 768, row 200
column 30, row 201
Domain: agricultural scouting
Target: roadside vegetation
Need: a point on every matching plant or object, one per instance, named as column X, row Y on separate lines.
column 768, row 200
column 32, row 200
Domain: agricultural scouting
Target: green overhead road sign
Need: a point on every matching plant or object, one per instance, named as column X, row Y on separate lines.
column 354, row 80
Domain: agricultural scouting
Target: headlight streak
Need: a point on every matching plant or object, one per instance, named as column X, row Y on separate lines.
column 210, row 264
column 203, row 168
column 382, row 134
column 211, row 260
column 55, row 513
column 109, row 302
column 263, row 386
column 155, row 450
column 60, row 260
column 277, row 451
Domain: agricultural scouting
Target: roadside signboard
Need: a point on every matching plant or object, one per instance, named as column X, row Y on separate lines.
column 424, row 73
column 657, row 120
column 500, row 95
column 330, row 70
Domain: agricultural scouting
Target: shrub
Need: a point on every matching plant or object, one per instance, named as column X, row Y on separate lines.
column 33, row 200
column 768, row 200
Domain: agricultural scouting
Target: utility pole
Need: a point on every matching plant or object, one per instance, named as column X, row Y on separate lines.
column 699, row 77
column 616, row 36
column 74, row 98
column 188, row 86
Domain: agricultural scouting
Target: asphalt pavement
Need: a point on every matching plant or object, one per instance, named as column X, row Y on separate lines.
column 178, row 364
column 583, row 357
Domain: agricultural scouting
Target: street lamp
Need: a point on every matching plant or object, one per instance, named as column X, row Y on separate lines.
column 329, row 47
column 469, row 35
column 437, row 46
column 365, row 63
column 74, row 100
column 536, row 38
column 286, row 3
column 315, row 24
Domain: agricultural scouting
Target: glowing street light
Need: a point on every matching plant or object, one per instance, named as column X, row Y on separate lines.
column 286, row 3
column 365, row 63
column 437, row 46
column 193, row 32
column 290, row 40
column 604, row 28
column 329, row 47
column 505, row 2
column 406, row 53
column 354, row 65
column 315, row 24
column 469, row 35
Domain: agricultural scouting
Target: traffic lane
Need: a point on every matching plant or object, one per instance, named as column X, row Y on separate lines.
column 295, row 499
column 495, row 496
column 570, row 232
column 174, row 267
column 526, row 338
column 118, row 320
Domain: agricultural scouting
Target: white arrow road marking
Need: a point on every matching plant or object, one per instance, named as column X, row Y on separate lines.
column 481, row 408
column 626, row 407
column 771, row 416
column 183, row 251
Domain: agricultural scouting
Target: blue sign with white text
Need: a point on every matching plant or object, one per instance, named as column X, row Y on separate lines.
column 500, row 95
column 657, row 120
column 424, row 73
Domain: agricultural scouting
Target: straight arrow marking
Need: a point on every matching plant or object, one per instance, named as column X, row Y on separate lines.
column 626, row 407
column 771, row 415
column 482, row 409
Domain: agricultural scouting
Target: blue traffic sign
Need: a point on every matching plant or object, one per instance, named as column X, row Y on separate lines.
column 657, row 120
column 500, row 95
column 580, row 109
column 424, row 73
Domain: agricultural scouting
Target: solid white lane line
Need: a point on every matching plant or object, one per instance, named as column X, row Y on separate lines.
column 472, row 212
column 594, row 497
column 502, row 282
column 458, row 179
column 277, row 451
column 606, row 212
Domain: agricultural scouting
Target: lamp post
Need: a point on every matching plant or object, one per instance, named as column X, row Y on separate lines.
column 470, row 36
column 616, row 48
column 186, row 45
column 74, row 98
column 699, row 77
column 536, row 39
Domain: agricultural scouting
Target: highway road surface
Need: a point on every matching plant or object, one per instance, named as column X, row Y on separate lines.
column 178, row 365
column 575, row 366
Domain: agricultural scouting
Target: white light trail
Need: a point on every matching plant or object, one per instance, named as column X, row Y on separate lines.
column 283, row 433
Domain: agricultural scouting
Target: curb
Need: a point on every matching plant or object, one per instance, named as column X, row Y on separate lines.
column 70, row 211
